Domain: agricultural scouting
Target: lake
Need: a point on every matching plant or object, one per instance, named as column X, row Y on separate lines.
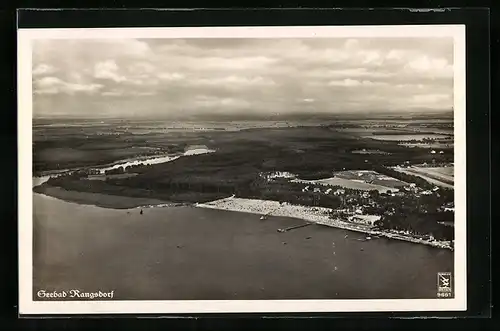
column 190, row 253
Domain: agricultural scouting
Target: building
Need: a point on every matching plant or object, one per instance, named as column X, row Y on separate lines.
column 339, row 191
column 280, row 174
column 410, row 188
column 364, row 219
column 450, row 205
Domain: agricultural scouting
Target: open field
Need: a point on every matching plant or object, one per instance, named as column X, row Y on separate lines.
column 371, row 177
column 405, row 137
column 88, row 143
column 443, row 174
column 369, row 151
column 430, row 178
column 448, row 146
column 349, row 183
column 439, row 171
column 115, row 176
column 445, row 131
column 313, row 153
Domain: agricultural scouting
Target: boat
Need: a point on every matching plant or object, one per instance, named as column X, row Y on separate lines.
column 368, row 238
column 263, row 217
column 345, row 237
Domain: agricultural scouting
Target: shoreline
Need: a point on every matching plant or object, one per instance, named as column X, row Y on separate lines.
column 101, row 199
column 51, row 172
column 139, row 158
column 317, row 215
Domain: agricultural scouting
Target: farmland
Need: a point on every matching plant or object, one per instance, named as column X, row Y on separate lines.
column 312, row 152
column 332, row 168
column 405, row 137
column 435, row 145
column 368, row 151
column 365, row 180
column 351, row 184
column 440, row 171
column 442, row 176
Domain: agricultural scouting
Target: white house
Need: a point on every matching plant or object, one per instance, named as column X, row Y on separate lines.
column 339, row 191
column 280, row 174
column 364, row 219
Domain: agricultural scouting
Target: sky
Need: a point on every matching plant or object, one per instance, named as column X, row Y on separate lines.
column 171, row 77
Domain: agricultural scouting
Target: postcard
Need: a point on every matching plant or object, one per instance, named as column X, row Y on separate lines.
column 242, row 169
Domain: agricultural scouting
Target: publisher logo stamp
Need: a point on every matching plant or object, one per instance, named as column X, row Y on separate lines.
column 444, row 281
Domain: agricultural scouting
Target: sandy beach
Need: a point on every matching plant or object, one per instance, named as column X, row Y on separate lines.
column 317, row 215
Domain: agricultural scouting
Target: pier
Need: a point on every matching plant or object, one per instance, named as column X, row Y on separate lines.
column 294, row 227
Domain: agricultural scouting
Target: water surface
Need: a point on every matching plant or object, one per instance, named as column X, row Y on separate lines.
column 190, row 253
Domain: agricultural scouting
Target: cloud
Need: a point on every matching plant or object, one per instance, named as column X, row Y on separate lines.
column 161, row 76
column 433, row 67
column 372, row 57
column 354, row 83
column 171, row 76
column 43, row 69
column 54, row 85
column 229, row 63
column 351, row 44
column 235, row 81
column 430, row 98
column 108, row 70
column 211, row 101
column 112, row 93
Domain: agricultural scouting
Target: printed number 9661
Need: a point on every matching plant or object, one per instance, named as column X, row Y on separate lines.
column 444, row 295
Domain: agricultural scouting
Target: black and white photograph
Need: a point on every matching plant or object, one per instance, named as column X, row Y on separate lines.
column 233, row 169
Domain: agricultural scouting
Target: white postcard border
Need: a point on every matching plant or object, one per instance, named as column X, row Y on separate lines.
column 25, row 197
